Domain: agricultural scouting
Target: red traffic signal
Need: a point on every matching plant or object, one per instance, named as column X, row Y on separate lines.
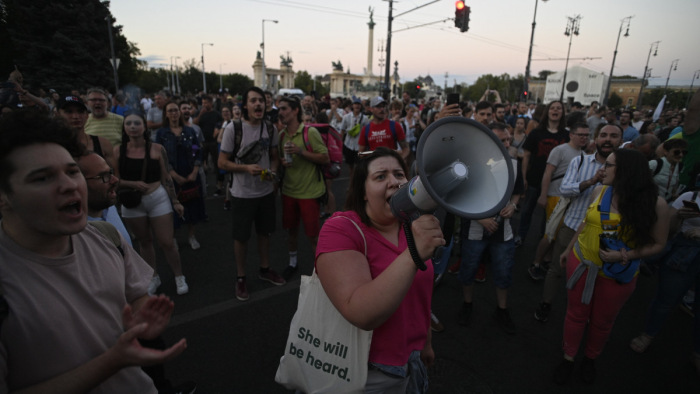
column 418, row 87
column 461, row 16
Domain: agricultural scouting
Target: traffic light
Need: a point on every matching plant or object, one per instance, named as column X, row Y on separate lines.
column 461, row 16
column 418, row 87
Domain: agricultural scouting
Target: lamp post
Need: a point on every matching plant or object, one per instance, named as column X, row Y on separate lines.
column 526, row 81
column 177, row 75
column 204, row 73
column 571, row 29
column 221, row 77
column 674, row 67
column 696, row 75
column 262, row 46
column 612, row 68
column 172, row 74
column 654, row 47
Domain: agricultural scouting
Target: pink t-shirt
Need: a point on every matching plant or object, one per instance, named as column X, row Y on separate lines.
column 407, row 329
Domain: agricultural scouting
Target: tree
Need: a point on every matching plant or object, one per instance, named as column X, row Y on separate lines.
column 412, row 90
column 544, row 74
column 509, row 88
column 615, row 100
column 70, row 39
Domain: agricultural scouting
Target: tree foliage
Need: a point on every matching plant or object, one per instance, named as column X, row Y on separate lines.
column 615, row 100
column 64, row 44
column 508, row 87
column 674, row 99
column 544, row 74
column 304, row 81
column 412, row 90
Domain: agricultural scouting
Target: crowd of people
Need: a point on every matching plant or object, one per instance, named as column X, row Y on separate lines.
column 599, row 174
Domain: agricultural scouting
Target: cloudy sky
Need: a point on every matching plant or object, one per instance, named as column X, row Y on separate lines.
column 316, row 33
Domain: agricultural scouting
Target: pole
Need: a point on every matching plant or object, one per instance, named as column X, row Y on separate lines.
column 612, row 68
column 387, row 65
column 172, row 75
column 646, row 69
column 571, row 30
column 177, row 75
column 526, row 81
column 204, row 73
column 221, row 78
column 692, row 81
column 673, row 63
column 108, row 18
column 262, row 46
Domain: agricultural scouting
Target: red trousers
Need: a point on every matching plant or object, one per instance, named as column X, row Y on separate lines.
column 608, row 298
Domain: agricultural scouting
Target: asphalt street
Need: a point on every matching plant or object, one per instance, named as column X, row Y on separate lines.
column 234, row 346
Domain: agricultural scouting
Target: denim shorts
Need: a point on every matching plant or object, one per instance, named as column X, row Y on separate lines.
column 502, row 260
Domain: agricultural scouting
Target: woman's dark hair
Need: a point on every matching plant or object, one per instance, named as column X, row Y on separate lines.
column 355, row 200
column 544, row 120
column 636, row 196
column 166, row 120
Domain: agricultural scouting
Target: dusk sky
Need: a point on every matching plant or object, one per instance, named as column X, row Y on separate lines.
column 316, row 33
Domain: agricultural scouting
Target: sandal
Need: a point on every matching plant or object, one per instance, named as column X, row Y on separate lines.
column 641, row 343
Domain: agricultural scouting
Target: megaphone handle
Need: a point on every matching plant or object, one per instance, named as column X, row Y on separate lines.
column 437, row 253
column 412, row 247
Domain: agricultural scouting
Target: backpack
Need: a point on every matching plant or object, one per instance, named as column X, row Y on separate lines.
column 392, row 127
column 660, row 166
column 238, row 135
column 331, row 138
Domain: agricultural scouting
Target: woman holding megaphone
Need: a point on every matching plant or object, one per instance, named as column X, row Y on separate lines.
column 366, row 269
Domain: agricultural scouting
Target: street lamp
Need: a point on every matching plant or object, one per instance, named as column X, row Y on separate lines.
column 696, row 75
column 571, row 29
column 177, row 75
column 674, row 67
column 627, row 33
column 262, row 46
column 204, row 74
column 654, row 47
column 526, row 81
column 221, row 77
column 172, row 74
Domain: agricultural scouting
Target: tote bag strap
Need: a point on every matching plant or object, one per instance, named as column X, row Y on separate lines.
column 358, row 229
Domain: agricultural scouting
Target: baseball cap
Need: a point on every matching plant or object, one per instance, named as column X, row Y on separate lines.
column 376, row 101
column 70, row 100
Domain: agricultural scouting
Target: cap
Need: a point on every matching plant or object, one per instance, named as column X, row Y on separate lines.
column 70, row 100
column 356, row 101
column 376, row 101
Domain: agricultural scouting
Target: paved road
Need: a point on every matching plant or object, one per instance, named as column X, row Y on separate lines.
column 234, row 347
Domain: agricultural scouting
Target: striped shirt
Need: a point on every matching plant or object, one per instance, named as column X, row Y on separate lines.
column 575, row 174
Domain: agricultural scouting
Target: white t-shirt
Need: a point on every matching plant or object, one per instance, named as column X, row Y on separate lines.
column 560, row 157
column 245, row 185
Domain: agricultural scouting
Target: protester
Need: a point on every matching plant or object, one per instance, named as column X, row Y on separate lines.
column 153, row 215
column 666, row 170
column 382, row 290
column 184, row 160
column 638, row 217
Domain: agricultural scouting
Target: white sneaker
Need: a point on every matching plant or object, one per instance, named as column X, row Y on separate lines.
column 194, row 244
column 182, row 287
column 154, row 285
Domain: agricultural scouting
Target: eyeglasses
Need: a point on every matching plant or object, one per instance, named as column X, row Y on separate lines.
column 677, row 152
column 582, row 135
column 105, row 176
column 608, row 165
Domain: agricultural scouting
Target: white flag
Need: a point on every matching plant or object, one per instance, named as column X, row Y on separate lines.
column 659, row 108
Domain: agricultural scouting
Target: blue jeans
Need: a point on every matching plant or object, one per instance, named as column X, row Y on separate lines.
column 673, row 285
column 502, row 260
column 526, row 210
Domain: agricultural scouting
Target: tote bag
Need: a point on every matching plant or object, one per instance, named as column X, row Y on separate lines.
column 324, row 353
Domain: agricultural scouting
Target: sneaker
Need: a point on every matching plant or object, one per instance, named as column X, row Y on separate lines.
column 518, row 241
column 542, row 312
column 480, row 276
column 503, row 319
column 218, row 192
column 272, row 277
column 241, row 290
column 454, row 268
column 563, row 372
column 465, row 314
column 154, row 285
column 288, row 272
column 227, row 205
column 181, row 285
column 588, row 372
column 194, row 244
column 536, row 272
column 435, row 324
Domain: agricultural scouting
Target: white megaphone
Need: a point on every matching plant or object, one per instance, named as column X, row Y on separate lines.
column 462, row 167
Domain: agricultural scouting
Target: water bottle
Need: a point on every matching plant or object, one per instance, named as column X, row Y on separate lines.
column 287, row 155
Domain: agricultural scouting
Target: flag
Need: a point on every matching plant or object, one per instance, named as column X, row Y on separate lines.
column 659, row 108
